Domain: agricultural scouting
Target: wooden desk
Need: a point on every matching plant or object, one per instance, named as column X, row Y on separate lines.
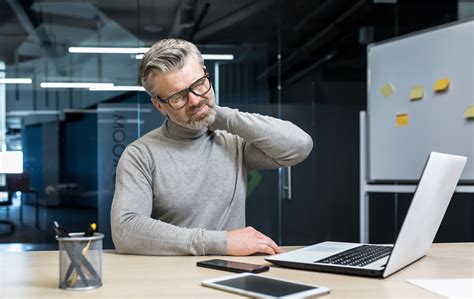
column 35, row 275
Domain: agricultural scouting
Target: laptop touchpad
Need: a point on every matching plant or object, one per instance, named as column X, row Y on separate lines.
column 330, row 247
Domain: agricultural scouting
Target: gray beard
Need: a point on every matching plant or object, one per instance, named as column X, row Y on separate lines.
column 198, row 124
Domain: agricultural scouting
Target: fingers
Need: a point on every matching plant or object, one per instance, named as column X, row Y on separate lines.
column 269, row 242
column 274, row 245
column 265, row 248
column 246, row 241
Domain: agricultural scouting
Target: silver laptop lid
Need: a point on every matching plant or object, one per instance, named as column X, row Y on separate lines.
column 435, row 189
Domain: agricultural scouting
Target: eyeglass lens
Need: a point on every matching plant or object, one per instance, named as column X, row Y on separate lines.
column 199, row 88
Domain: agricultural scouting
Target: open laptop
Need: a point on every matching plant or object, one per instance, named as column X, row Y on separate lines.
column 435, row 189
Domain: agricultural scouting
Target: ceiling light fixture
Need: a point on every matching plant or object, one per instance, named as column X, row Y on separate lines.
column 107, row 50
column 15, row 81
column 74, row 85
column 118, row 88
column 218, row 56
column 31, row 112
column 138, row 51
column 204, row 56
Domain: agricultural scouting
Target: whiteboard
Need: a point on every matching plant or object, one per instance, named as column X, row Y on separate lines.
column 436, row 122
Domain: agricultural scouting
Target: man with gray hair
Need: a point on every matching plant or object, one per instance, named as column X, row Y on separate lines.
column 181, row 188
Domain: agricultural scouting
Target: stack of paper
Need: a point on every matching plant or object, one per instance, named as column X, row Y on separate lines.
column 451, row 288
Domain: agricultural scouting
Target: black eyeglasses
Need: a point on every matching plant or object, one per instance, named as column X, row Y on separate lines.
column 178, row 100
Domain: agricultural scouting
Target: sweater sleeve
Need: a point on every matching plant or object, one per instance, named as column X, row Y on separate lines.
column 268, row 142
column 134, row 231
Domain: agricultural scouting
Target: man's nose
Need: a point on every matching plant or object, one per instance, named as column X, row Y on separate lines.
column 193, row 99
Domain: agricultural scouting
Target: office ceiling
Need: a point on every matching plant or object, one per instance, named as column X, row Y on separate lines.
column 309, row 29
column 35, row 35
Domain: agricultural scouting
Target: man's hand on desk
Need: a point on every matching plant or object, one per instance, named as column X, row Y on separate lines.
column 247, row 241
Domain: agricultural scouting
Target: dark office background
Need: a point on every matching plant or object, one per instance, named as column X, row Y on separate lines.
column 302, row 60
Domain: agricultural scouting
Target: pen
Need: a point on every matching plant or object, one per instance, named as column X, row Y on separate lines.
column 89, row 233
column 90, row 230
column 61, row 232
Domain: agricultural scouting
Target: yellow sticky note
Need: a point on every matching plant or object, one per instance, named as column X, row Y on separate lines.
column 416, row 93
column 402, row 120
column 469, row 113
column 441, row 85
column 387, row 90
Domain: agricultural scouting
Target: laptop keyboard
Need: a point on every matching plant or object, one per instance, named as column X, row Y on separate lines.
column 358, row 256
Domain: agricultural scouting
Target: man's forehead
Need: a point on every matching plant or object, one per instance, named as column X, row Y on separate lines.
column 178, row 79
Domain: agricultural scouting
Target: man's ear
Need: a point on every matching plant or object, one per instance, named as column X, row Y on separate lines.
column 158, row 105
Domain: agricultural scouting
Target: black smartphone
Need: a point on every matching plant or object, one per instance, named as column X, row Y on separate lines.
column 232, row 266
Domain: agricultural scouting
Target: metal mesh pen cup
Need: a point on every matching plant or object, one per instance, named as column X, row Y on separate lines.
column 80, row 261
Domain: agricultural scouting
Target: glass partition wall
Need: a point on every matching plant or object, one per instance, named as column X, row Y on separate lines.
column 71, row 101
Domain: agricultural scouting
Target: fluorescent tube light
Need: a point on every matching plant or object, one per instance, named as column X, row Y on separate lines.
column 11, row 162
column 118, row 88
column 31, row 112
column 139, row 51
column 107, row 50
column 74, row 85
column 80, row 111
column 15, row 81
column 204, row 56
column 218, row 56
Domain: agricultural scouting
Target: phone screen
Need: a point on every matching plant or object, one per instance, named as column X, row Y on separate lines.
column 265, row 285
column 232, row 266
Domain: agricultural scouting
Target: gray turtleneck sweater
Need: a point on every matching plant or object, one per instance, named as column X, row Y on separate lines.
column 179, row 190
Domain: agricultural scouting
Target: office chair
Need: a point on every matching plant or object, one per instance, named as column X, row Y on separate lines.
column 20, row 182
column 7, row 203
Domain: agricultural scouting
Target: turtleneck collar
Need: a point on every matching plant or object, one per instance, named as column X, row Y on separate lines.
column 175, row 131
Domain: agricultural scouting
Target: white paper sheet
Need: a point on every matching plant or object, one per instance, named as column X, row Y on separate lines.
column 451, row 288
